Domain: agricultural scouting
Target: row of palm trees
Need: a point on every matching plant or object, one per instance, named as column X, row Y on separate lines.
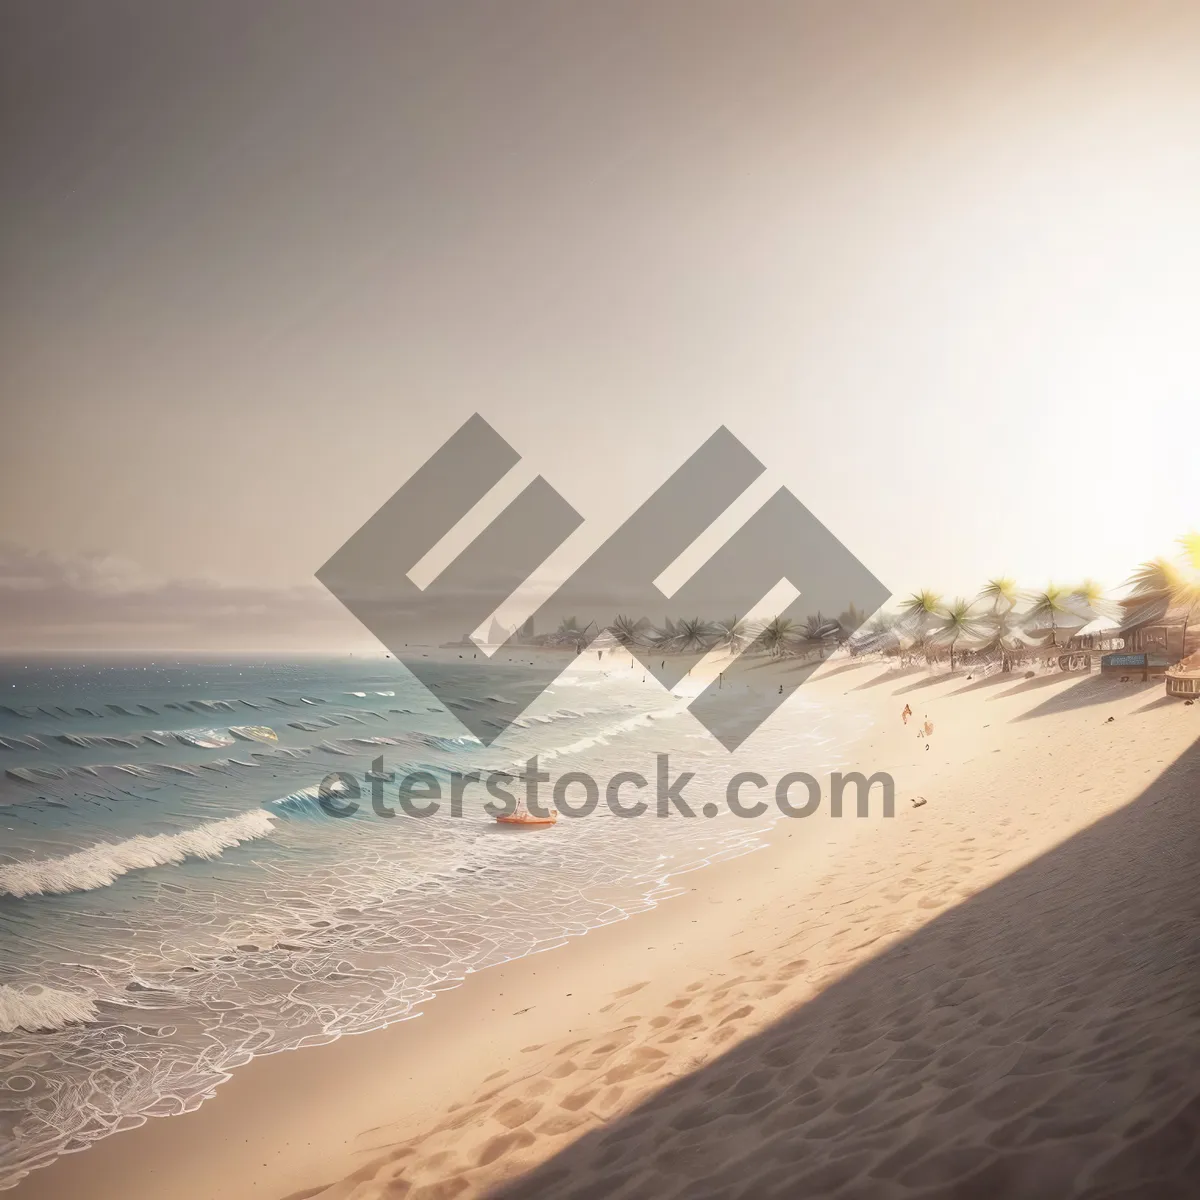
column 779, row 638
column 1002, row 620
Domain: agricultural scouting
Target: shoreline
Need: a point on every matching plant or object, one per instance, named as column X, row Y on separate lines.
column 295, row 1123
column 269, row 1096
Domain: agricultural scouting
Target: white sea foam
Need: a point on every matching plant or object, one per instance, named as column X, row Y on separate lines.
column 41, row 1008
column 100, row 865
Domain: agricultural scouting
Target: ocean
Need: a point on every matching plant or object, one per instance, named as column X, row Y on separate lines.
column 174, row 899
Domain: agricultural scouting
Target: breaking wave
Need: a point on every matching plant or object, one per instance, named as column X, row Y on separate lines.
column 41, row 1008
column 102, row 864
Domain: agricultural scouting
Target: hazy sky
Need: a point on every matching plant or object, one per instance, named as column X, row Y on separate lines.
column 936, row 264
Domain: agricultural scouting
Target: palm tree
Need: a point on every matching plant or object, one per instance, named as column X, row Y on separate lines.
column 820, row 631
column 571, row 633
column 693, row 636
column 688, row 636
column 662, row 637
column 1150, row 589
column 878, row 634
column 733, row 634
column 1050, row 605
column 1004, row 633
column 919, row 617
column 1001, row 593
column 1004, row 626
column 919, row 612
column 1154, row 579
column 956, row 621
column 778, row 637
column 1093, row 601
column 629, row 632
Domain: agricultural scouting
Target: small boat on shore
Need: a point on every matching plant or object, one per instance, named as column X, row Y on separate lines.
column 522, row 816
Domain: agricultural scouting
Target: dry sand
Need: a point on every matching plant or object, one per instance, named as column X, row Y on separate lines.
column 996, row 993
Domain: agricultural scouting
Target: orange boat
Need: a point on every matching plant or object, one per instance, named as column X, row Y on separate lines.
column 524, row 817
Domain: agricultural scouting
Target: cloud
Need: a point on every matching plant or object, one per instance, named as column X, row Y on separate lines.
column 98, row 601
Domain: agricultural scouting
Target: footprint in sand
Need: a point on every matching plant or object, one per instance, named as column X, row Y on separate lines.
column 738, row 1014
column 516, row 1113
column 498, row 1147
column 636, row 987
column 562, row 1123
column 576, row 1100
column 643, row 1061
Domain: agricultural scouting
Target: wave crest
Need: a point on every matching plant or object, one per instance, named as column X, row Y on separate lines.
column 42, row 1009
column 102, row 864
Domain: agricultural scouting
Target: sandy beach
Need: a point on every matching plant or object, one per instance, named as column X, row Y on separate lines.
column 600, row 601
column 995, row 993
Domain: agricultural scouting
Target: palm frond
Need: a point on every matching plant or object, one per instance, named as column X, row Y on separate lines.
column 628, row 631
column 1000, row 593
column 779, row 637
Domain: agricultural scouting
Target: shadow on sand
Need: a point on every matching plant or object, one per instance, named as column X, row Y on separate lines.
column 1164, row 701
column 1032, row 685
column 921, row 684
column 850, row 666
column 890, row 677
column 1039, row 1041
column 1092, row 689
column 992, row 680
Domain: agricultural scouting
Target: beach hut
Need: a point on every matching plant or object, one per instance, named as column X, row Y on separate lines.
column 1102, row 634
column 1154, row 627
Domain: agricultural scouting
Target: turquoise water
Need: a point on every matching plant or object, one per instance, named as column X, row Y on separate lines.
column 174, row 900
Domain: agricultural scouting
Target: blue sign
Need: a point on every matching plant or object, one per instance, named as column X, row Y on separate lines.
column 1123, row 660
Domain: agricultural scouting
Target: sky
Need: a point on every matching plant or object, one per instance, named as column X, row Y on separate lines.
column 936, row 264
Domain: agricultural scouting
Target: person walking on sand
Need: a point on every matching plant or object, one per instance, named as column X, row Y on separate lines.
column 906, row 713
